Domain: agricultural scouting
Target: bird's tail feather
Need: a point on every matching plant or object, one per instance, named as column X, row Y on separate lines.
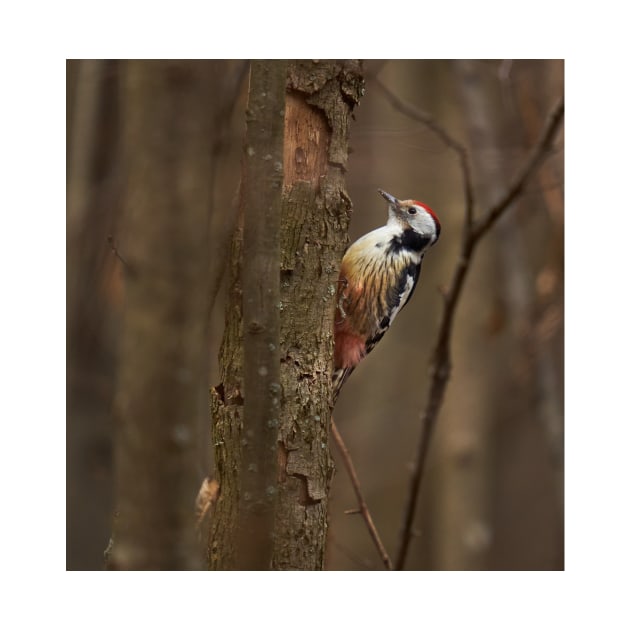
column 338, row 379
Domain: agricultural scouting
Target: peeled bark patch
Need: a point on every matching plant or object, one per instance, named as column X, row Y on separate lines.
column 306, row 142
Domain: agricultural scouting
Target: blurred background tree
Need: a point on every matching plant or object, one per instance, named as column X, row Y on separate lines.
column 492, row 497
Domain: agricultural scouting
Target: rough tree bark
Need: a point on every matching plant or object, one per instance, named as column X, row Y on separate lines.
column 162, row 356
column 315, row 216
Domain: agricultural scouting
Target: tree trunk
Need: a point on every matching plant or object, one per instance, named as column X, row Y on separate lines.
column 162, row 356
column 315, row 217
column 262, row 198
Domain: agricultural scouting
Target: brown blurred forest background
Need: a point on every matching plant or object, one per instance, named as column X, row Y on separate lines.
column 492, row 498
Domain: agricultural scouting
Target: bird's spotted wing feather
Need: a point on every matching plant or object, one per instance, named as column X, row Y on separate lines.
column 398, row 294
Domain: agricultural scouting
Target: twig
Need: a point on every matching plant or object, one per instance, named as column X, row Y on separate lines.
column 441, row 361
column 114, row 248
column 363, row 508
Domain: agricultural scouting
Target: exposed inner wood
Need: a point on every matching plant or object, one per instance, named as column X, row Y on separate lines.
column 307, row 136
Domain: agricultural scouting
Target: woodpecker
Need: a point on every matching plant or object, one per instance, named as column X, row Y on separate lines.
column 378, row 275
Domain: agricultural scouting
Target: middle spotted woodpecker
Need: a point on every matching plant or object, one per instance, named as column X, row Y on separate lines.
column 378, row 275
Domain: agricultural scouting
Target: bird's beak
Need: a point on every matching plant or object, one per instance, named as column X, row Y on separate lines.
column 390, row 198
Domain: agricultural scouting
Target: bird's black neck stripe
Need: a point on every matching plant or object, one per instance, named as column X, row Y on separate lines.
column 409, row 240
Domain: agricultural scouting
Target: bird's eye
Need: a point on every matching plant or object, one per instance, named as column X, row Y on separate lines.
column 412, row 210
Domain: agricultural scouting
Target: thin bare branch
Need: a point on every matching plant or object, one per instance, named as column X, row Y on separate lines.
column 363, row 508
column 114, row 248
column 441, row 358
